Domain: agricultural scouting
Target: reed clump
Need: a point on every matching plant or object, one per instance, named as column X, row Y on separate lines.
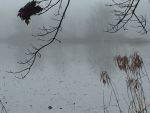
column 135, row 71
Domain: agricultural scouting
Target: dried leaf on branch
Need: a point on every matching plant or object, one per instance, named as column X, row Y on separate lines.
column 30, row 9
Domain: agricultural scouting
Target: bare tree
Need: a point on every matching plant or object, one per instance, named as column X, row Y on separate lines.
column 125, row 13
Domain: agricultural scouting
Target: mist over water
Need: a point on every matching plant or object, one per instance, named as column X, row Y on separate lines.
column 68, row 72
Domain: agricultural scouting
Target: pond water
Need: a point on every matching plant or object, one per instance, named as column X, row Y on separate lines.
column 67, row 77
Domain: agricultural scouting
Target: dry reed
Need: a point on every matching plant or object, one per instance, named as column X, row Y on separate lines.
column 134, row 68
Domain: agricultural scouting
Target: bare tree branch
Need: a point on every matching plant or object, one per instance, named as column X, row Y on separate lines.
column 35, row 53
column 125, row 12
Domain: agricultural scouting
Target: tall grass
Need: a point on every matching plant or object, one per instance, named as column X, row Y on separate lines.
column 134, row 69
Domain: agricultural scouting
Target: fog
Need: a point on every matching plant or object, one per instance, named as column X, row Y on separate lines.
column 67, row 75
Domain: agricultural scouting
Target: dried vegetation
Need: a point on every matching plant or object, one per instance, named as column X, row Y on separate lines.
column 135, row 71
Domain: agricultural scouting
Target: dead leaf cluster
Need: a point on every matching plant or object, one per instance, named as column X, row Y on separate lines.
column 30, row 9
